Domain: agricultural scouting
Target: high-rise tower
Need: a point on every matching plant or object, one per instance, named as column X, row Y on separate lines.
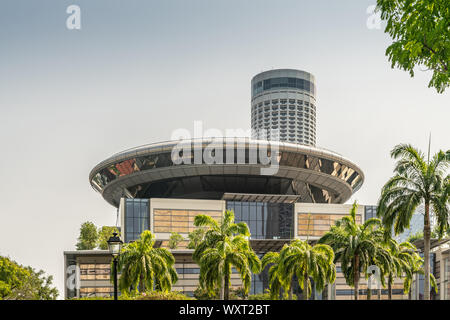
column 284, row 106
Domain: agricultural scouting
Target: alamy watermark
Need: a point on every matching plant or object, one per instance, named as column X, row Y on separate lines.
column 73, row 277
column 374, row 19
column 374, row 281
column 73, row 22
column 213, row 146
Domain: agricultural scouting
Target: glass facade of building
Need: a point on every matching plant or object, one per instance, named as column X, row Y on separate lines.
column 265, row 220
column 370, row 212
column 446, row 283
column 137, row 217
column 213, row 186
column 290, row 159
column 417, row 287
column 283, row 82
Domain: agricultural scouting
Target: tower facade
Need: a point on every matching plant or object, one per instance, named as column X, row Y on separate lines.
column 284, row 106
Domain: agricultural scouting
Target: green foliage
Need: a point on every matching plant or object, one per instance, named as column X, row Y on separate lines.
column 224, row 246
column 421, row 37
column 277, row 279
column 24, row 283
column 174, row 240
column 195, row 237
column 148, row 295
column 355, row 245
column 417, row 181
column 307, row 263
column 88, row 236
column 238, row 293
column 144, row 267
column 434, row 234
column 418, row 235
column 203, row 294
column 266, row 296
column 157, row 295
column 104, row 233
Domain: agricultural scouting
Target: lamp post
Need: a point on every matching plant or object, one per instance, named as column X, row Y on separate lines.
column 115, row 244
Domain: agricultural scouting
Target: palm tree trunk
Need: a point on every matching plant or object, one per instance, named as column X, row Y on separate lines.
column 305, row 285
column 356, row 276
column 221, row 290
column 291, row 291
column 390, row 281
column 369, row 293
column 379, row 293
column 226, row 287
column 141, row 283
column 426, row 258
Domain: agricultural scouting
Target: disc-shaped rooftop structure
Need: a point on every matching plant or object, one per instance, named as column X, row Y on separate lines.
column 313, row 174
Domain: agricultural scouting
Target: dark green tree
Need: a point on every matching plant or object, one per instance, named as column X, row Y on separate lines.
column 420, row 30
column 24, row 283
column 88, row 237
column 104, row 233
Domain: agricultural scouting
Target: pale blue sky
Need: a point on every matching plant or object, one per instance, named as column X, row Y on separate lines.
column 137, row 70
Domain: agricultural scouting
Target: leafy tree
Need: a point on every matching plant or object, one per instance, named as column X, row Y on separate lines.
column 225, row 245
column 12, row 277
column 416, row 181
column 354, row 245
column 88, row 236
column 144, row 267
column 174, row 240
column 308, row 263
column 421, row 36
column 195, row 237
column 24, row 283
column 104, row 233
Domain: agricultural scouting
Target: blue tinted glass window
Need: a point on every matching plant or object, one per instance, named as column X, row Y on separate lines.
column 136, row 218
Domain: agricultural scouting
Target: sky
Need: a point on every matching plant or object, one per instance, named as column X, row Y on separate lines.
column 138, row 70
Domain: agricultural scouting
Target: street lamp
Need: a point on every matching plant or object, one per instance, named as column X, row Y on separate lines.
column 115, row 244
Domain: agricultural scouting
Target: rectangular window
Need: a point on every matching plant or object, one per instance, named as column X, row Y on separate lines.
column 137, row 217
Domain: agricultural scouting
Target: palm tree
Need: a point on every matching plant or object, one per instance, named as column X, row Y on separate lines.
column 355, row 245
column 144, row 267
column 277, row 280
column 383, row 259
column 416, row 181
column 415, row 267
column 224, row 246
column 403, row 258
column 308, row 263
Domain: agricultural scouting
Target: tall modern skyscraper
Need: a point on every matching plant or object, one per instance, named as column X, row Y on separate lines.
column 284, row 106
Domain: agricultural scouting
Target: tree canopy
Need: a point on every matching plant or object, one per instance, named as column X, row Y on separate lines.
column 19, row 282
column 104, row 233
column 88, row 236
column 420, row 30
